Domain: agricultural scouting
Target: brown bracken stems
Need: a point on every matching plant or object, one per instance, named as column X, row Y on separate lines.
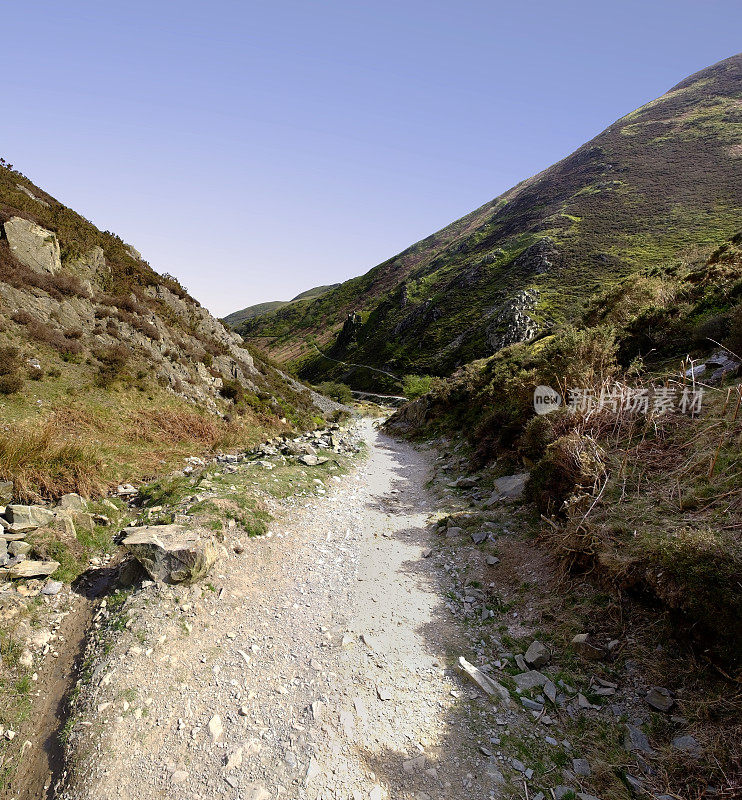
column 716, row 455
column 726, row 402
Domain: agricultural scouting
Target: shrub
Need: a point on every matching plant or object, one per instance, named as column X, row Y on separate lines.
column 232, row 390
column 46, row 463
column 113, row 364
column 146, row 328
column 581, row 357
column 11, row 383
column 10, row 360
column 23, row 317
column 337, row 391
column 415, row 386
column 571, row 466
column 537, row 436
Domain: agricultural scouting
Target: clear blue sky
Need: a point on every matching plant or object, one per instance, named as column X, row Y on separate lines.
column 256, row 149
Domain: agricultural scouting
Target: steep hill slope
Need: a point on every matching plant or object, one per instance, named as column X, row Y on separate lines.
column 664, row 178
column 236, row 318
column 107, row 369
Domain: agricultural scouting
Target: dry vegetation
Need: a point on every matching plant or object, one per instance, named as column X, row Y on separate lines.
column 90, row 445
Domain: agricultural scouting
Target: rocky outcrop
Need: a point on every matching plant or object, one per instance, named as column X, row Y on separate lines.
column 34, row 246
column 172, row 553
column 539, row 258
column 184, row 346
column 410, row 417
column 513, row 321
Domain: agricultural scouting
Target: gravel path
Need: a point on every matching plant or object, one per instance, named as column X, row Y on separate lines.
column 320, row 666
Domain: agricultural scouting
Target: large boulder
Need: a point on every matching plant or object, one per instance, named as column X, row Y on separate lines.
column 33, row 569
column 172, row 553
column 27, row 518
column 33, row 245
column 72, row 502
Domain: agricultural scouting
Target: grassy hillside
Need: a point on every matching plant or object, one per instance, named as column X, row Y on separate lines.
column 235, row 319
column 649, row 503
column 108, row 370
column 661, row 183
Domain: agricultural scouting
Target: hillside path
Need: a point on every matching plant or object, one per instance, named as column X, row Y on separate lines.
column 320, row 667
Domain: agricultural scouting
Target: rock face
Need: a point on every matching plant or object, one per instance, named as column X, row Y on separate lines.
column 513, row 321
column 172, row 553
column 33, row 245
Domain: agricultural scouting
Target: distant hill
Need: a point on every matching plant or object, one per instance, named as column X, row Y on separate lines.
column 663, row 179
column 237, row 317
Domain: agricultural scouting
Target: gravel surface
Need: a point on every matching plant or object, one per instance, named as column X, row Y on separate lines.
column 318, row 663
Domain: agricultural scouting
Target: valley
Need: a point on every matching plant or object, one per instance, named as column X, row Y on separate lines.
column 333, row 548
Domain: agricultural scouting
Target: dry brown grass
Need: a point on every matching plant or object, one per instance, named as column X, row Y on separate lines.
column 47, row 462
column 664, row 520
column 89, row 447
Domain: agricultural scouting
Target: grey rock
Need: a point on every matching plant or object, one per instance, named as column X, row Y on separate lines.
column 28, row 518
column 562, row 791
column 312, row 461
column 72, row 502
column 636, row 740
column 582, row 644
column 479, row 536
column 488, row 685
column 581, row 766
column 492, row 561
column 512, row 322
column 510, row 487
column 19, row 548
column 660, row 699
column 687, row 744
column 34, row 246
column 722, row 364
column 6, row 491
column 531, row 705
column 530, row 679
column 695, row 372
column 454, row 531
column 33, row 569
column 465, row 482
column 52, row 588
column 172, row 553
column 537, row 655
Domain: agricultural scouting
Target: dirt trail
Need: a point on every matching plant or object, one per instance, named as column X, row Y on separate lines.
column 317, row 668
